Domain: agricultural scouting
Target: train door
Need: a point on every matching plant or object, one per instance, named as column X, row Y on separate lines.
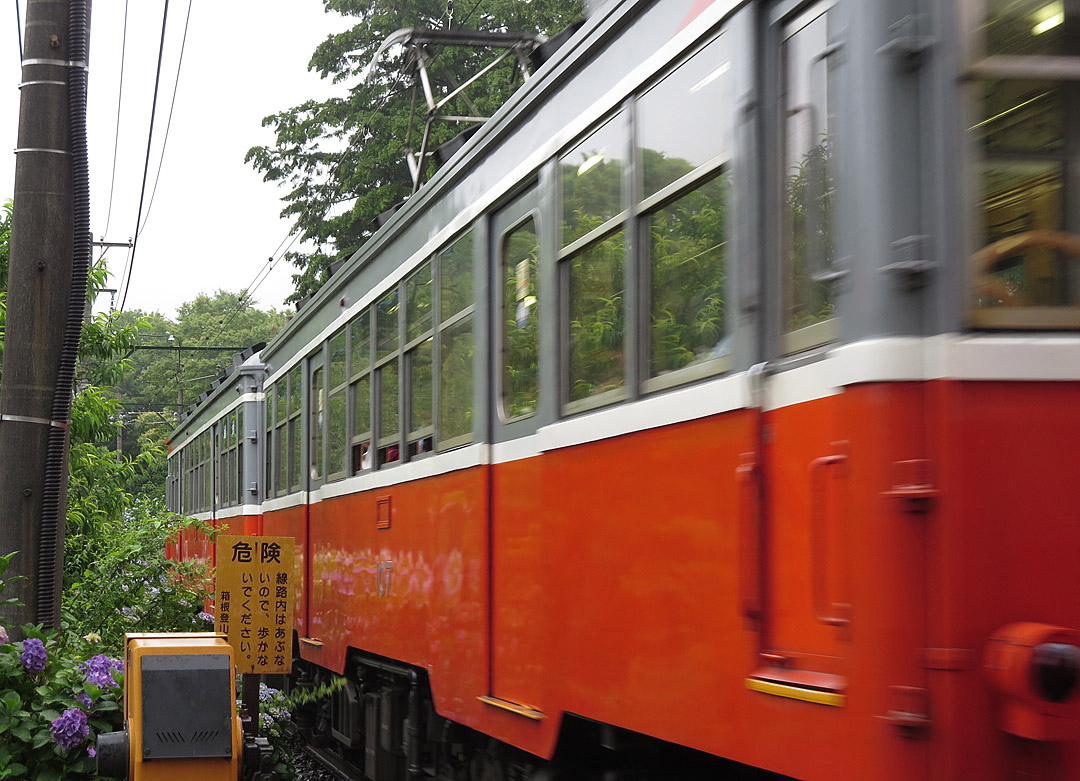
column 515, row 538
column 805, row 559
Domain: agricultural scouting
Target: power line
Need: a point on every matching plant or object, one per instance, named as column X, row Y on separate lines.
column 116, row 141
column 18, row 29
column 168, row 125
column 146, row 166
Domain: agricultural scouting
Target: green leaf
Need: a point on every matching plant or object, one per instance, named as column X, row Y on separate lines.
column 21, row 732
column 50, row 715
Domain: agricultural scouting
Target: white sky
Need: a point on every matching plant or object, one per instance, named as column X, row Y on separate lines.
column 214, row 222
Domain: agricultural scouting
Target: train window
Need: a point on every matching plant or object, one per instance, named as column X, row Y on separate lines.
column 421, row 420
column 337, row 431
column 317, row 422
column 808, row 185
column 455, row 343
column 520, row 316
column 238, row 498
column 360, row 390
column 386, row 325
column 1025, row 272
column 295, row 446
column 268, row 438
column 688, row 274
column 597, row 321
column 700, row 92
column 456, row 278
column 687, row 231
column 592, row 174
column 388, row 412
column 418, row 303
column 419, row 346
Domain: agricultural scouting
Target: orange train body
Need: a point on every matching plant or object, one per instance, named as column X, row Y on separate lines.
column 611, row 580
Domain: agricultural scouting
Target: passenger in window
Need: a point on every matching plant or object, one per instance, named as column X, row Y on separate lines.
column 365, row 455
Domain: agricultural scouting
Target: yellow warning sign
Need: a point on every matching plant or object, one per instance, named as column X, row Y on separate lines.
column 253, row 601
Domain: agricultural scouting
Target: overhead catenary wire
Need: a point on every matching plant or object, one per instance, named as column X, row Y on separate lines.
column 146, row 166
column 116, row 139
column 168, row 123
column 18, row 29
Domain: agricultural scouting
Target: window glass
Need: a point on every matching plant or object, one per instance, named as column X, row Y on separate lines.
column 592, row 180
column 420, row 386
column 455, row 381
column 294, row 454
column 1025, row 27
column 1026, row 267
column 386, row 324
column 294, row 389
column 318, row 421
column 337, row 432
column 700, row 93
column 688, row 276
column 360, row 343
column 389, row 413
column 808, row 183
column 521, row 315
column 361, row 399
column 337, row 359
column 388, row 401
column 596, row 319
column 418, row 303
column 455, row 277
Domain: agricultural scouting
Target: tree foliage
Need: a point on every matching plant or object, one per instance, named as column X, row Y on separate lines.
column 159, row 371
column 342, row 159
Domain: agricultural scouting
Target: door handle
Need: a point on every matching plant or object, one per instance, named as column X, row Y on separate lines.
column 748, row 478
column 826, row 611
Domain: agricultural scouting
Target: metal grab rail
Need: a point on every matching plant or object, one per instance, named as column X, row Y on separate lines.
column 827, row 612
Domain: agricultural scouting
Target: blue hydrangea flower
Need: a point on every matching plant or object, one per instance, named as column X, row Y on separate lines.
column 99, row 670
column 70, row 729
column 34, row 655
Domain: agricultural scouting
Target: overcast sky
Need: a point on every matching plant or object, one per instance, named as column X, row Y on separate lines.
column 213, row 221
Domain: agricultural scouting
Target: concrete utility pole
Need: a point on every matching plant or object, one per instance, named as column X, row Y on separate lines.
column 39, row 289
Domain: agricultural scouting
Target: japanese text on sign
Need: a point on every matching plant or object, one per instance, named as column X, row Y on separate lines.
column 254, row 606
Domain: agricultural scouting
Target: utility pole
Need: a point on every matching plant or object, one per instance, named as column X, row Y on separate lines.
column 40, row 282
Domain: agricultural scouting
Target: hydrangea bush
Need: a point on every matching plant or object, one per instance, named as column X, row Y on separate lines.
column 53, row 704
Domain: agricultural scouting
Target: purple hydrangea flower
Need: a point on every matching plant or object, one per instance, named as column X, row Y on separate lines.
column 84, row 699
column 91, row 752
column 70, row 729
column 34, row 656
column 4, row 639
column 99, row 670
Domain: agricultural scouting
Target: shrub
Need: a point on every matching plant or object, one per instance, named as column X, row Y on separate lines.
column 53, row 705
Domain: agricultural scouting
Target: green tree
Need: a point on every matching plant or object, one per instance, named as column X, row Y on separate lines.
column 159, row 370
column 334, row 196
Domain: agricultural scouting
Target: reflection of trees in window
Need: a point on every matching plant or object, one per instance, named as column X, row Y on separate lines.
column 337, row 431
column 360, row 390
column 294, row 444
column 592, row 176
column 521, row 316
column 688, row 278
column 597, row 318
column 455, row 343
column 808, row 194
column 455, row 381
column 318, row 421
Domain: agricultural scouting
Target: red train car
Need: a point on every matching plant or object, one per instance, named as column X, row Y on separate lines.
column 711, row 411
